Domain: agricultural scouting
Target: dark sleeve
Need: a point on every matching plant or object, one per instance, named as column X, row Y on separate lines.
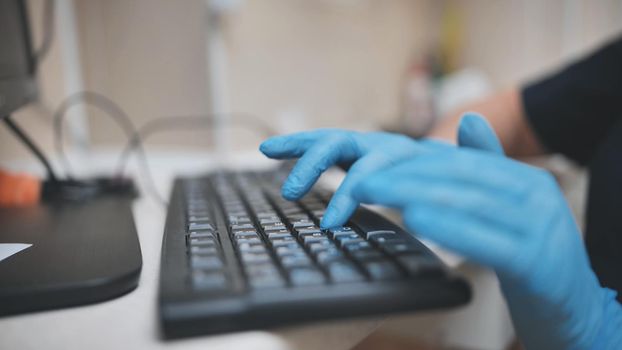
column 573, row 110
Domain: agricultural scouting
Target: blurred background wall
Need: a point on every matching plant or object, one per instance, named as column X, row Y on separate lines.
column 323, row 63
column 296, row 64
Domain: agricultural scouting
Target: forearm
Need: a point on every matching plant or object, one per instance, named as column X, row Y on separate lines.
column 505, row 113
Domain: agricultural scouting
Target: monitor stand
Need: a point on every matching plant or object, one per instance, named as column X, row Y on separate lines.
column 82, row 252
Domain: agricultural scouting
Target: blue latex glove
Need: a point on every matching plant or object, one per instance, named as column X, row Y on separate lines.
column 513, row 218
column 320, row 149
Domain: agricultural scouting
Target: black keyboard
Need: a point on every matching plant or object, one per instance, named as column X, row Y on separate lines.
column 237, row 256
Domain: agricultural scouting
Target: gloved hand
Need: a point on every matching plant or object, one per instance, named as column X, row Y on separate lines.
column 320, row 149
column 513, row 218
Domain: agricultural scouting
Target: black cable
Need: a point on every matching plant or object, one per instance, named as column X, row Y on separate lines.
column 148, row 175
column 95, row 99
column 31, row 146
column 136, row 143
column 189, row 122
column 47, row 32
column 118, row 114
column 136, row 137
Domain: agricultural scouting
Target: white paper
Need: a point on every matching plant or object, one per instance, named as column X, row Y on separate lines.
column 8, row 249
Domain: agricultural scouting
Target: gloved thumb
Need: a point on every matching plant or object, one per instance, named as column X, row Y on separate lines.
column 474, row 131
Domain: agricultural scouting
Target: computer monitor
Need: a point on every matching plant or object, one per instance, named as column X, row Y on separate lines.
column 17, row 62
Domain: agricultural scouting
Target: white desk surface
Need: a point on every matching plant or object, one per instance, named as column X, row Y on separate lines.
column 131, row 321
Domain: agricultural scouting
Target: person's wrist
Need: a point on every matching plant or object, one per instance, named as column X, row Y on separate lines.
column 607, row 334
column 588, row 322
column 571, row 315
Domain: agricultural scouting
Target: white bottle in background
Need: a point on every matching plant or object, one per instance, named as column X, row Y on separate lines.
column 418, row 114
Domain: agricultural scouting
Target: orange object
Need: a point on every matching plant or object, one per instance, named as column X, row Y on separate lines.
column 19, row 190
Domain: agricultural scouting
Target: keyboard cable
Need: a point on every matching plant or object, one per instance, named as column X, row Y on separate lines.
column 136, row 136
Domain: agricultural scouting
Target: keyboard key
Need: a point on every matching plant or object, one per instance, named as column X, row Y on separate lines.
column 198, row 206
column 247, row 248
column 263, row 275
column 272, row 228
column 273, row 225
column 205, row 251
column 320, row 246
column 251, row 241
column 341, row 231
column 243, row 230
column 279, row 234
column 202, row 249
column 198, row 213
column 289, row 262
column 383, row 233
column 200, row 234
column 206, row 262
column 287, row 246
column 264, row 281
column 255, row 258
column 355, row 245
column 270, row 220
column 281, row 229
column 351, row 239
column 235, row 207
column 242, row 227
column 202, row 241
column 382, row 270
column 382, row 238
column 419, row 265
column 239, row 220
column 267, row 214
column 246, row 234
column 292, row 246
column 329, row 256
column 238, row 213
column 366, row 255
column 194, row 226
column 306, row 276
column 400, row 248
column 339, row 237
column 344, row 272
column 250, row 246
column 297, row 217
column 311, row 231
column 194, row 218
column 304, row 224
column 314, row 239
column 208, row 280
column 277, row 242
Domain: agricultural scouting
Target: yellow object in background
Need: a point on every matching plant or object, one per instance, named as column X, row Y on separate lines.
column 451, row 37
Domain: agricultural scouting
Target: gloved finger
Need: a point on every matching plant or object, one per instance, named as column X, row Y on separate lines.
column 401, row 191
column 474, row 131
column 321, row 156
column 467, row 168
column 342, row 205
column 462, row 233
column 293, row 145
column 338, row 211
